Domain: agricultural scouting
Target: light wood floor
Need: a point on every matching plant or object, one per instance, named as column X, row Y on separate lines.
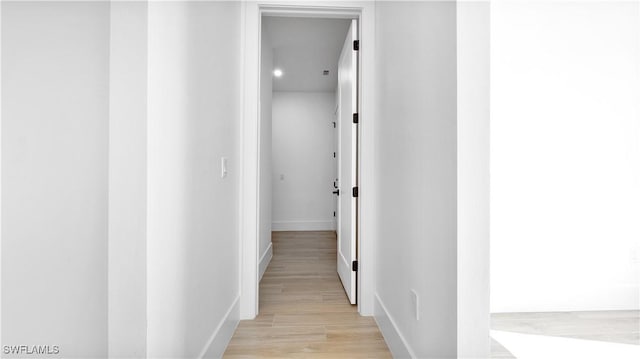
column 304, row 312
column 616, row 326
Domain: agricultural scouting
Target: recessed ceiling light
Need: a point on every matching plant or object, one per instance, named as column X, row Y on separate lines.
column 277, row 72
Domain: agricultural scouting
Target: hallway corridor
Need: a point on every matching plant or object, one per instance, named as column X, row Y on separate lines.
column 304, row 311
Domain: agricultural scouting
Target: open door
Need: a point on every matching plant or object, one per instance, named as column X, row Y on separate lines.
column 348, row 162
column 336, row 150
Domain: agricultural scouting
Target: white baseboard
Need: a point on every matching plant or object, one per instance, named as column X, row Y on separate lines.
column 265, row 259
column 307, row 225
column 395, row 341
column 595, row 297
column 217, row 343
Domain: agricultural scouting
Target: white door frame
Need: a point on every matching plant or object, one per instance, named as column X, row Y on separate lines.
column 252, row 13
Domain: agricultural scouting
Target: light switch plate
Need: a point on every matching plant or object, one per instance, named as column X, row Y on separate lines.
column 223, row 167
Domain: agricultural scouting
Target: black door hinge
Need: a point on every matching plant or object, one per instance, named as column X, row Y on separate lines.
column 356, row 45
column 334, row 124
column 334, row 213
column 355, row 118
column 355, row 191
column 334, row 155
column 354, row 266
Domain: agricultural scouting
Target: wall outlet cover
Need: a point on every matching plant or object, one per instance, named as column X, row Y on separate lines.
column 416, row 303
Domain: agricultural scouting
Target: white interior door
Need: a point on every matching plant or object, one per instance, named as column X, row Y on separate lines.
column 336, row 182
column 348, row 163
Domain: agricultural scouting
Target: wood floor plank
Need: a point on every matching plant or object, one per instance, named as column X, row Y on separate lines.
column 304, row 311
column 611, row 326
column 622, row 326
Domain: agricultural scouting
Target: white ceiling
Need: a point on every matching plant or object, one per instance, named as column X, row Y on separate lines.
column 303, row 48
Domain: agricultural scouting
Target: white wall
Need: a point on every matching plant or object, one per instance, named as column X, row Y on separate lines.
column 473, row 178
column 192, row 247
column 265, row 250
column 127, row 180
column 55, row 92
column 303, row 163
column 565, row 156
column 416, row 176
column 1, row 342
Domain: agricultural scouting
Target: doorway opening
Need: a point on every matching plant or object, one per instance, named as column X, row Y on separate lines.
column 310, row 176
column 308, row 179
column 565, row 263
